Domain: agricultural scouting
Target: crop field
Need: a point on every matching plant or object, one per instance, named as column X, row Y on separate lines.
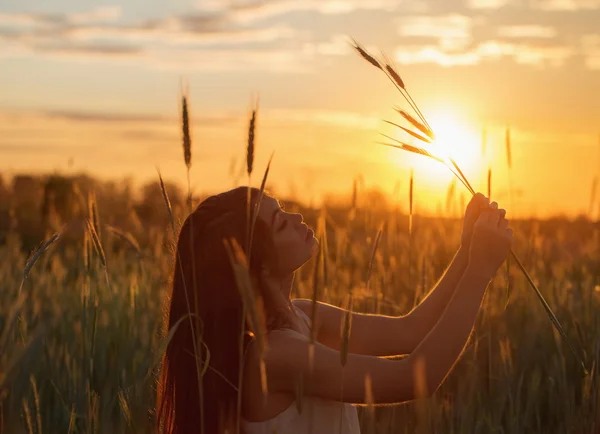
column 82, row 335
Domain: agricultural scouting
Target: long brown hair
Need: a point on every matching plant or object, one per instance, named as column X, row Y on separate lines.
column 204, row 284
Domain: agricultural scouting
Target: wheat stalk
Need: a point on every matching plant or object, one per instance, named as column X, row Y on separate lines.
column 370, row 401
column 391, row 73
column 37, row 253
column 257, row 206
column 412, row 133
column 251, row 139
column 545, row 304
column 186, row 140
column 418, row 125
column 127, row 237
column 373, row 253
column 185, row 131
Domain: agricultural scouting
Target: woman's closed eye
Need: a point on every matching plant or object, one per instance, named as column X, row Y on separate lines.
column 282, row 226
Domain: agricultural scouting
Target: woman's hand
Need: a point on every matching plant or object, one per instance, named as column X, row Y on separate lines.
column 490, row 242
column 476, row 205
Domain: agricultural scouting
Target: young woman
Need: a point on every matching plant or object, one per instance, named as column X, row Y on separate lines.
column 433, row 334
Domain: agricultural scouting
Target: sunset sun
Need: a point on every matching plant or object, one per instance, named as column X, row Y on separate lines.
column 455, row 139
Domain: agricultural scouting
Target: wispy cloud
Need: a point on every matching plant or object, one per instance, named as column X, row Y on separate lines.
column 527, row 31
column 103, row 14
column 176, row 41
column 337, row 45
column 215, row 60
column 525, row 53
column 435, row 55
column 452, row 31
column 565, row 5
column 179, row 32
column 486, row 4
column 253, row 11
column 522, row 53
column 591, row 50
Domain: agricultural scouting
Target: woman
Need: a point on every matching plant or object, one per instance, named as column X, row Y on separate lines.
column 433, row 334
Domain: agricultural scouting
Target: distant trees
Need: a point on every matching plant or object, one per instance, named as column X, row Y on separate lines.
column 32, row 207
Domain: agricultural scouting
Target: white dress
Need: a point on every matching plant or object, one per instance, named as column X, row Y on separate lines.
column 318, row 416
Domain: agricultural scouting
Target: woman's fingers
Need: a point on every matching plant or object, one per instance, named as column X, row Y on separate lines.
column 494, row 217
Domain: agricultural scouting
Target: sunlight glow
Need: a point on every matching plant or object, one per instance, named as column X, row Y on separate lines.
column 455, row 139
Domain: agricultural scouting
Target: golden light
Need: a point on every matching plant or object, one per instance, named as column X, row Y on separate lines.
column 455, row 139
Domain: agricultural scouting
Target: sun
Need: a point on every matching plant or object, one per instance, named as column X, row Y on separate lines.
column 455, row 139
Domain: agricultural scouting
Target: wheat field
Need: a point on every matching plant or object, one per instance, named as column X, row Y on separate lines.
column 81, row 336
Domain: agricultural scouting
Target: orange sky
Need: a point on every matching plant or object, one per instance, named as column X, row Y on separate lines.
column 98, row 85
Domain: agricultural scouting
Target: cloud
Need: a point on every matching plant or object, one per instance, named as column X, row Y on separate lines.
column 527, row 31
column 522, row 53
column 176, row 32
column 103, row 14
column 591, row 50
column 565, row 5
column 248, row 12
column 433, row 54
column 452, row 31
column 335, row 118
column 94, row 35
column 179, row 30
column 77, row 116
column 486, row 4
column 338, row 45
column 89, row 50
column 299, row 61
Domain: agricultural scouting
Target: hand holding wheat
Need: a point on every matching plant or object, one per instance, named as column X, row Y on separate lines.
column 491, row 242
column 420, row 129
column 476, row 205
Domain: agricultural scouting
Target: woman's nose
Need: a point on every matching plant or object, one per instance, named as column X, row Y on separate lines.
column 298, row 218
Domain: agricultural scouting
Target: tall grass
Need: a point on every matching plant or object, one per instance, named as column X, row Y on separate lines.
column 521, row 396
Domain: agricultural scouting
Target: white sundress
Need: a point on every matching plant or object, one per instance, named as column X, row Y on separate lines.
column 318, row 416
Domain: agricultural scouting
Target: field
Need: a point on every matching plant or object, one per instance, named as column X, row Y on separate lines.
column 80, row 338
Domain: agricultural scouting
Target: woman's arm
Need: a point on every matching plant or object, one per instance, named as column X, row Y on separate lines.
column 287, row 359
column 421, row 373
column 399, row 334
column 395, row 334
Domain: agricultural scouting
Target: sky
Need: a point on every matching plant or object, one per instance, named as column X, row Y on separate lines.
column 95, row 86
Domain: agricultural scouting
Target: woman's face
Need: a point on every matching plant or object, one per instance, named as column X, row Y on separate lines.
column 294, row 241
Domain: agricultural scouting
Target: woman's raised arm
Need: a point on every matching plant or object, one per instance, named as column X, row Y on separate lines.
column 287, row 360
